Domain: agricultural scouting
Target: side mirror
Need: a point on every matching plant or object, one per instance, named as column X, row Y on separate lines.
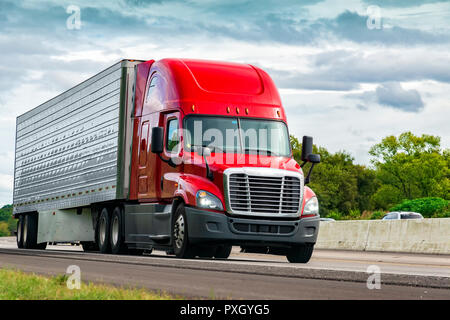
column 314, row 158
column 307, row 147
column 308, row 156
column 157, row 140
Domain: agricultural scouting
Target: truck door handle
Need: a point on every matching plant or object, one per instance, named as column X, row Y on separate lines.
column 143, row 145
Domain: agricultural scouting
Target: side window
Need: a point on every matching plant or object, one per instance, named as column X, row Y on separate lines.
column 143, row 144
column 172, row 137
column 152, row 92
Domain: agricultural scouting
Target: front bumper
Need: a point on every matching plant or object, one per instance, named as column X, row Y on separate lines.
column 210, row 227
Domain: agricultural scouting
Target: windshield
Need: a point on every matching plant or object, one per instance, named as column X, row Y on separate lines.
column 228, row 134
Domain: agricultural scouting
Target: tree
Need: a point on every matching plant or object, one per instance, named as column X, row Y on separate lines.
column 339, row 184
column 5, row 213
column 410, row 167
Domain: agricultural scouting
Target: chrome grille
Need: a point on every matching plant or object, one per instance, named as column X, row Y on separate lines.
column 278, row 194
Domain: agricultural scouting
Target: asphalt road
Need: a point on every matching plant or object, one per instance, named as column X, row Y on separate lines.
column 329, row 275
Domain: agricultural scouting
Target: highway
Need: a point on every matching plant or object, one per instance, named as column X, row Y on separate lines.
column 330, row 274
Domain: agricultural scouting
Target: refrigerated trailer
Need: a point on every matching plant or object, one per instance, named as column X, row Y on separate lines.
column 187, row 156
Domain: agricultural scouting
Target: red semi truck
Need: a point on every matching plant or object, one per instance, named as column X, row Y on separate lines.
column 187, row 156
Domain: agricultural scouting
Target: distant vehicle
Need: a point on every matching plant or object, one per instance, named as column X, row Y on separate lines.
column 401, row 215
column 326, row 219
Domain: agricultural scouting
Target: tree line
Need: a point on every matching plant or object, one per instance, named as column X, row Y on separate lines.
column 403, row 168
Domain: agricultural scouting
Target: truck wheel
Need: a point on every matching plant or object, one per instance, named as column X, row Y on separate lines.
column 30, row 232
column 223, row 252
column 117, row 237
column 135, row 252
column 300, row 254
column 103, row 234
column 205, row 251
column 89, row 246
column 19, row 238
column 180, row 236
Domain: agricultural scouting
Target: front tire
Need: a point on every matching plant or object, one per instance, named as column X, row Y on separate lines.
column 301, row 253
column 103, row 234
column 180, row 236
column 223, row 252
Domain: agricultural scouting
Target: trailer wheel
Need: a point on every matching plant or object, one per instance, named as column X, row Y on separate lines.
column 117, row 236
column 103, row 234
column 30, row 232
column 223, row 252
column 135, row 252
column 89, row 246
column 181, row 246
column 19, row 238
column 300, row 254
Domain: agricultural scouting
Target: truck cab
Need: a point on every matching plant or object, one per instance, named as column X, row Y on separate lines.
column 211, row 142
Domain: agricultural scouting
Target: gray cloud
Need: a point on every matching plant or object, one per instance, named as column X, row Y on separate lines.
column 393, row 95
column 344, row 70
column 401, row 3
column 241, row 20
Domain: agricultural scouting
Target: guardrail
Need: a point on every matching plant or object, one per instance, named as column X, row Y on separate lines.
column 415, row 236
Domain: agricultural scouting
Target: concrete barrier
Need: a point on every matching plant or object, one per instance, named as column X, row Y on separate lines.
column 415, row 236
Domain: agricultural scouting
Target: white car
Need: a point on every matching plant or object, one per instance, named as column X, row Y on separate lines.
column 400, row 215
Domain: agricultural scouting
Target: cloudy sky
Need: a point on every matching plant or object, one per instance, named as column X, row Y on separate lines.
column 349, row 72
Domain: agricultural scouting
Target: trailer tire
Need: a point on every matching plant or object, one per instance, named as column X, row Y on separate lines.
column 180, row 236
column 89, row 246
column 103, row 234
column 117, row 235
column 19, row 237
column 300, row 254
column 30, row 232
column 223, row 252
column 135, row 252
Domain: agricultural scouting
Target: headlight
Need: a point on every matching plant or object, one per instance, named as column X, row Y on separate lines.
column 208, row 201
column 311, row 207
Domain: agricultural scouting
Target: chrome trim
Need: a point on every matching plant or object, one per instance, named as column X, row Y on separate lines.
column 262, row 172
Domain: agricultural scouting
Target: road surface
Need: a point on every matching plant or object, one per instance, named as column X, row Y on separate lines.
column 329, row 275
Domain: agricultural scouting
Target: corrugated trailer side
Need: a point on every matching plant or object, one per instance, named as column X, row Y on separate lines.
column 74, row 150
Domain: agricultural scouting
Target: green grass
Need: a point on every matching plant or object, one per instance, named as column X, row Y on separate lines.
column 17, row 285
